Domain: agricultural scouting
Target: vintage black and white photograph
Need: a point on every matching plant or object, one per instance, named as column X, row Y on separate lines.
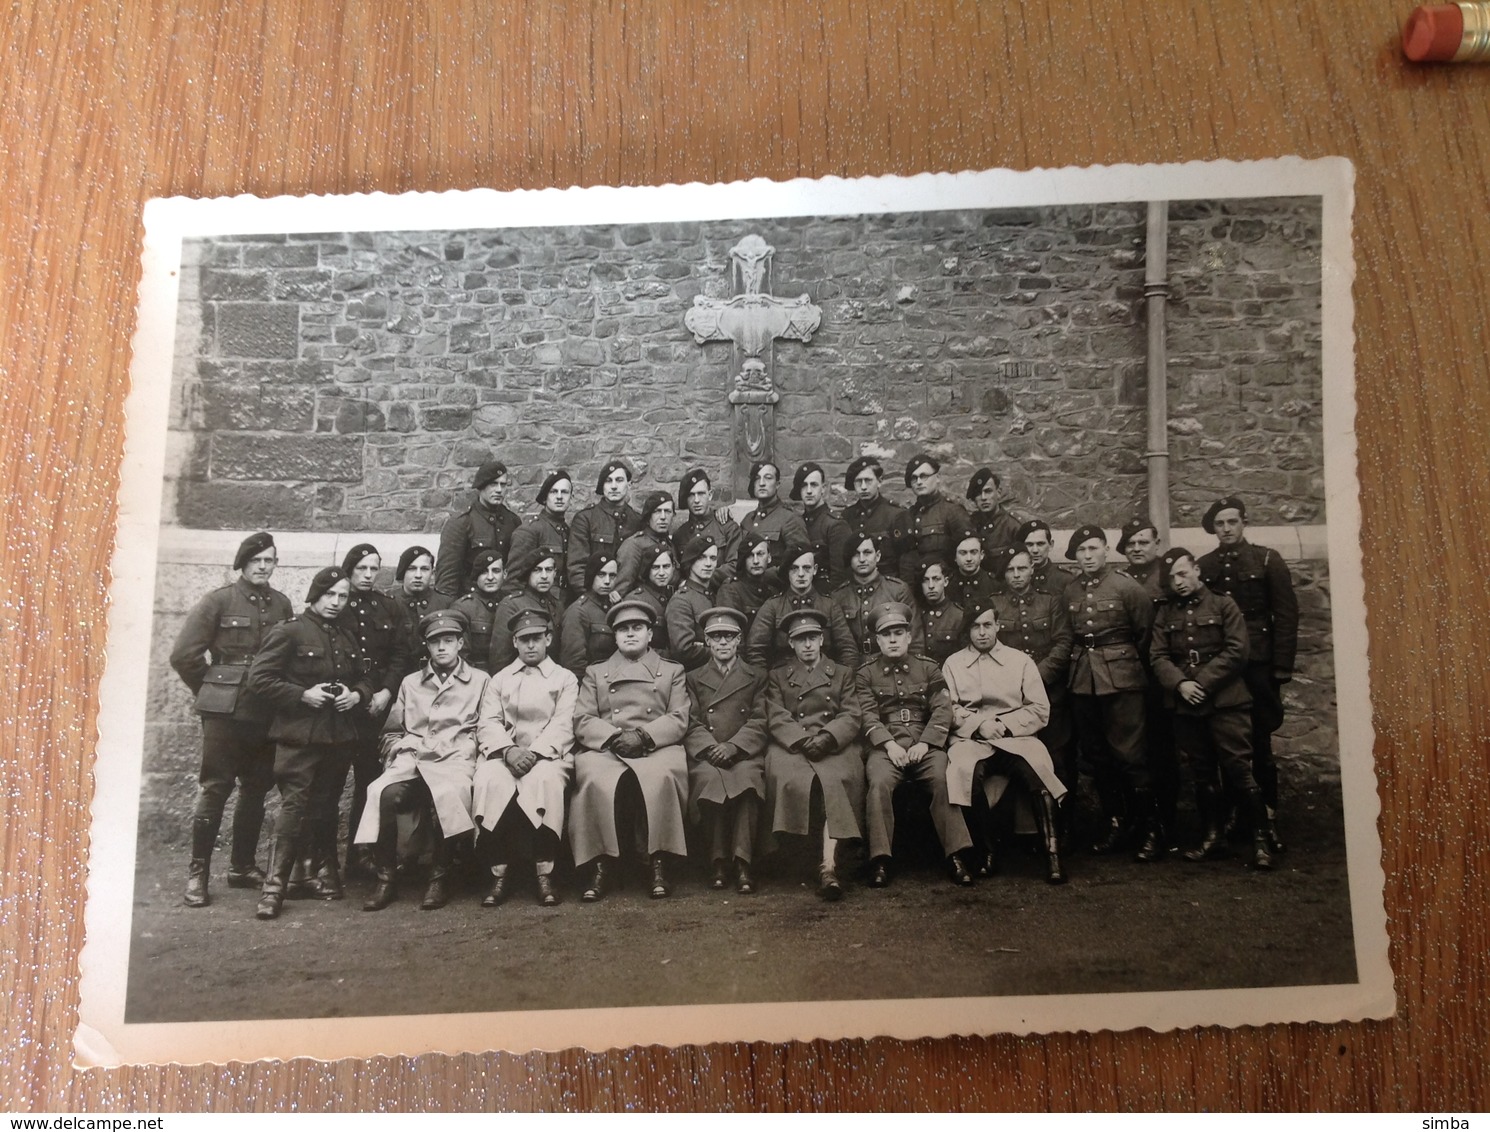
column 708, row 613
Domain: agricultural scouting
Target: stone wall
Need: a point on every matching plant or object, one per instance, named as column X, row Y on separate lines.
column 353, row 381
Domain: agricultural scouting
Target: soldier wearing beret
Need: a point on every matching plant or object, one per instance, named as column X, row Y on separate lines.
column 532, row 583
column 815, row 719
column 1111, row 617
column 907, row 716
column 685, row 609
column 216, row 644
column 525, row 730
column 866, row 590
column 604, row 524
column 584, row 636
column 973, row 584
column 657, row 581
column 1048, row 577
column 934, row 524
column 943, row 621
column 755, row 581
column 991, row 521
column 700, row 519
column 479, row 606
column 547, row 531
column 429, row 749
column 726, row 745
column 1199, row 653
column 871, row 513
column 416, row 595
column 310, row 673
column 826, row 534
column 1258, row 580
column 629, row 762
column 1139, row 543
column 655, row 531
column 771, row 519
column 767, row 645
column 488, row 524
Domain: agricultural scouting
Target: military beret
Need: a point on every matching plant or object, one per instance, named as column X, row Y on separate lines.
column 325, row 578
column 889, row 614
column 881, row 542
column 631, row 609
column 525, row 619
column 688, row 483
column 254, row 544
column 406, row 559
column 525, row 563
column 1166, row 563
column 998, row 560
column 1029, row 528
column 356, row 555
column 489, row 473
column 747, row 548
column 1081, row 535
column 971, row 536
column 723, row 617
column 1231, row 502
column 927, row 563
column 554, row 478
column 596, row 563
column 1131, row 528
column 917, row 460
column 800, row 478
column 981, row 479
column 802, row 621
column 482, row 562
column 438, row 621
column 790, row 555
column 862, row 462
column 694, row 549
column 654, row 500
column 609, row 467
column 755, row 470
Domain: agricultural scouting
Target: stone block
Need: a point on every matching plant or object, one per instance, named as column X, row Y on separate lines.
column 282, row 255
column 258, row 330
column 359, row 416
column 217, row 284
column 250, row 407
column 223, row 505
column 450, row 418
column 264, row 456
column 301, row 286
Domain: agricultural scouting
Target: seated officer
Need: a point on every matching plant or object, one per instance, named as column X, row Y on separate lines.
column 726, row 745
column 525, row 730
column 429, row 748
column 906, row 718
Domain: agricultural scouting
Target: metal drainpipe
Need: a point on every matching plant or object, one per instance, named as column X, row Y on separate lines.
column 1155, row 292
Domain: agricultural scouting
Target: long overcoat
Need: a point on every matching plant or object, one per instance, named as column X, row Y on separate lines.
column 726, row 709
column 800, row 702
column 533, row 709
column 1002, row 685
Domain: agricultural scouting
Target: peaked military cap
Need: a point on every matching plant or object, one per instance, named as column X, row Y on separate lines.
column 438, row 621
column 889, row 614
column 799, row 622
column 723, row 617
column 525, row 619
column 634, row 609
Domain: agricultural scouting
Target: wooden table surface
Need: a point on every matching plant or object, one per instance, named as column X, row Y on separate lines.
column 107, row 105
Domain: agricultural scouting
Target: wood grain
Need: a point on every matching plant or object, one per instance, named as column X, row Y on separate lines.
column 108, row 105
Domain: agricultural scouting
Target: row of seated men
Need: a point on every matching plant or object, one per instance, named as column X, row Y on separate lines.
column 1096, row 706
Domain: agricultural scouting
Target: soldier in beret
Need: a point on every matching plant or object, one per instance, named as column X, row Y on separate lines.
column 1048, row 577
column 629, row 763
column 525, row 730
column 726, row 745
column 943, row 621
column 1258, row 580
column 656, row 584
column 309, row 671
column 866, row 590
column 604, row 524
column 415, row 595
column 685, row 609
column 1140, row 544
column 755, row 582
column 907, row 715
column 700, row 519
column 815, row 719
column 826, row 534
column 1111, row 617
column 213, row 651
column 767, row 644
column 991, row 521
column 973, row 583
column 479, row 607
column 771, row 519
column 547, row 531
column 532, row 583
column 655, row 532
column 933, row 525
column 871, row 513
column 488, row 524
column 429, row 746
column 1199, row 653
column 584, row 636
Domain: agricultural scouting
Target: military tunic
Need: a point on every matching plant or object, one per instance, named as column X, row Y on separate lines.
column 501, row 651
column 832, row 541
column 748, row 595
column 413, row 607
column 973, row 593
column 685, row 611
column 1039, row 625
column 801, row 702
column 1052, row 579
column 905, row 700
column 602, row 526
column 931, row 528
column 726, row 536
column 480, row 609
column 584, row 636
column 466, row 535
column 549, row 534
column 377, row 623
column 629, row 558
column 766, row 645
column 878, row 519
column 618, row 695
column 778, row 524
column 857, row 600
column 945, row 629
column 995, row 529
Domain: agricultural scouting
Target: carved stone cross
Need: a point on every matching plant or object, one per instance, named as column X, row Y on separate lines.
column 752, row 319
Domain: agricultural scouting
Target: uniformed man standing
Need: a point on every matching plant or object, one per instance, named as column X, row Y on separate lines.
column 991, row 521
column 934, row 524
column 827, row 535
column 416, row 595
column 871, row 513
column 1199, row 653
column 547, row 531
column 701, row 518
column 604, row 524
column 771, row 519
column 973, row 583
column 213, row 650
column 1047, row 577
column 866, row 590
column 655, row 531
column 1258, row 580
column 487, row 524
column 1140, row 545
column 1111, row 618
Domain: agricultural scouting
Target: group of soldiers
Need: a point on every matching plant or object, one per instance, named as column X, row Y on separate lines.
column 625, row 676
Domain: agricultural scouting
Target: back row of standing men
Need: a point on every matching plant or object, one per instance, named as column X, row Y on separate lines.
column 1087, row 634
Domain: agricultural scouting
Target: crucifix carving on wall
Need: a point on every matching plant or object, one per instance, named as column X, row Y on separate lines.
column 752, row 319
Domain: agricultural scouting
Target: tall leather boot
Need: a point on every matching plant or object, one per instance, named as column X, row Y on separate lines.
column 1050, row 825
column 1262, row 855
column 1209, row 802
column 385, row 866
column 323, row 877
column 243, row 869
column 203, row 836
column 1151, row 832
column 281, row 862
column 437, row 894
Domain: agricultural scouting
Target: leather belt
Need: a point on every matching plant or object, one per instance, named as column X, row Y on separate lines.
column 904, row 715
column 1100, row 640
